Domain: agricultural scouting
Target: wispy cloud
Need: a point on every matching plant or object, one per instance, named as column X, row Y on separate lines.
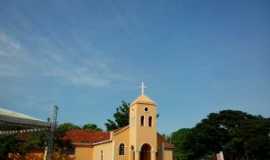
column 93, row 73
column 8, row 43
column 18, row 61
column 11, row 55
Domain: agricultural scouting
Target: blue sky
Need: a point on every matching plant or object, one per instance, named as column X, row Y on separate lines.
column 194, row 56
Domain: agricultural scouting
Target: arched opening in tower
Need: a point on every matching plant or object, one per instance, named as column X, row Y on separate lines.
column 145, row 152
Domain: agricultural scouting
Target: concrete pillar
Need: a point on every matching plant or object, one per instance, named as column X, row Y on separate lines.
column 137, row 155
column 113, row 155
column 45, row 153
column 162, row 151
column 153, row 155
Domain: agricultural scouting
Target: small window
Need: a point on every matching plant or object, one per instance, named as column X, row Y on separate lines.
column 150, row 121
column 145, row 109
column 121, row 149
column 142, row 120
column 101, row 154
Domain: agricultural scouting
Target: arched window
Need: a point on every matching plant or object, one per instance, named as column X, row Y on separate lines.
column 142, row 120
column 121, row 149
column 150, row 121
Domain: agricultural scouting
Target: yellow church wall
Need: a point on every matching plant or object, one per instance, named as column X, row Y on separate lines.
column 83, row 153
column 168, row 155
column 147, row 137
column 121, row 137
column 103, row 151
column 146, row 134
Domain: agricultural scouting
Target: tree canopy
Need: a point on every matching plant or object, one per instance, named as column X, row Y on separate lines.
column 177, row 138
column 64, row 127
column 7, row 145
column 21, row 143
column 120, row 117
column 24, row 143
column 92, row 127
column 239, row 135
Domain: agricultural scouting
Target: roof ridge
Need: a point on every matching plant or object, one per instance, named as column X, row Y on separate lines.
column 7, row 112
column 116, row 131
column 143, row 99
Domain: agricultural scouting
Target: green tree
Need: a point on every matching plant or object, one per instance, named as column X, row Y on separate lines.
column 239, row 135
column 120, row 117
column 30, row 141
column 60, row 145
column 64, row 127
column 90, row 126
column 21, row 144
column 8, row 144
column 178, row 138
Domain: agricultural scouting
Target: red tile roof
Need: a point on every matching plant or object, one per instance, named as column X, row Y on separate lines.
column 120, row 129
column 168, row 145
column 83, row 136
column 162, row 139
column 80, row 136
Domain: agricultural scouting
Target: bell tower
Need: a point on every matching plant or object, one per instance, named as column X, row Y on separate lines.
column 143, row 128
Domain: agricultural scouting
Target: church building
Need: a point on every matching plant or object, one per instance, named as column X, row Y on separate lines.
column 139, row 140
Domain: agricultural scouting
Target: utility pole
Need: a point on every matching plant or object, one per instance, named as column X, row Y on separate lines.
column 53, row 124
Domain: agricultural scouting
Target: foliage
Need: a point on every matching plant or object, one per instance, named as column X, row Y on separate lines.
column 60, row 145
column 21, row 143
column 7, row 145
column 64, row 127
column 31, row 141
column 24, row 143
column 90, row 126
column 177, row 138
column 66, row 146
column 239, row 135
column 121, row 117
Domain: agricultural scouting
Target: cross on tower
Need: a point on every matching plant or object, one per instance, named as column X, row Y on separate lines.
column 142, row 88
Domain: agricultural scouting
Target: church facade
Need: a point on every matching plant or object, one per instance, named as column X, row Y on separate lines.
column 139, row 140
